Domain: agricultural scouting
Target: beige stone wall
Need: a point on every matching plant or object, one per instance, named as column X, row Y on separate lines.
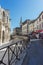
column 4, row 26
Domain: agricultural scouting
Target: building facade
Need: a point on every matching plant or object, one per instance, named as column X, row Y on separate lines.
column 17, row 31
column 38, row 24
column 4, row 25
column 25, row 27
column 33, row 25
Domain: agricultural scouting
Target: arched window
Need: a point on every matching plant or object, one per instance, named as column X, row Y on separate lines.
column 2, row 36
column 40, row 19
column 7, row 19
column 42, row 16
column 3, row 16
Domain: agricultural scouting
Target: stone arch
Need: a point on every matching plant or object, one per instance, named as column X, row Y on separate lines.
column 3, row 14
column 3, row 33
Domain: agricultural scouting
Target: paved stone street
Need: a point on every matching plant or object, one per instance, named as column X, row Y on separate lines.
column 34, row 53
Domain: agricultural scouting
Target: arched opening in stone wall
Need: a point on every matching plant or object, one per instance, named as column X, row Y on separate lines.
column 3, row 13
column 3, row 36
column 3, row 16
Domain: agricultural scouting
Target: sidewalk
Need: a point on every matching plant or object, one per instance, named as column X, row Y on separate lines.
column 22, row 56
column 34, row 39
column 19, row 62
column 25, row 61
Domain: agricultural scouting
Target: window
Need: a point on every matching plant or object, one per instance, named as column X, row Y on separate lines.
column 0, row 34
column 0, row 15
column 3, row 16
column 42, row 16
column 37, row 22
column 42, row 24
column 3, row 37
column 39, row 19
column 7, row 18
column 37, row 26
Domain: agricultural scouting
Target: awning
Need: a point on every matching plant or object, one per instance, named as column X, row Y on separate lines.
column 38, row 31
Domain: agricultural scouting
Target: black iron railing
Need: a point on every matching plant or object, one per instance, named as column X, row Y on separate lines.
column 12, row 51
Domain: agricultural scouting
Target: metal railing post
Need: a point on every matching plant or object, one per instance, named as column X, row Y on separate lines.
column 8, row 56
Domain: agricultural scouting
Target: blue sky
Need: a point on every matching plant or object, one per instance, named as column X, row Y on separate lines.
column 28, row 9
